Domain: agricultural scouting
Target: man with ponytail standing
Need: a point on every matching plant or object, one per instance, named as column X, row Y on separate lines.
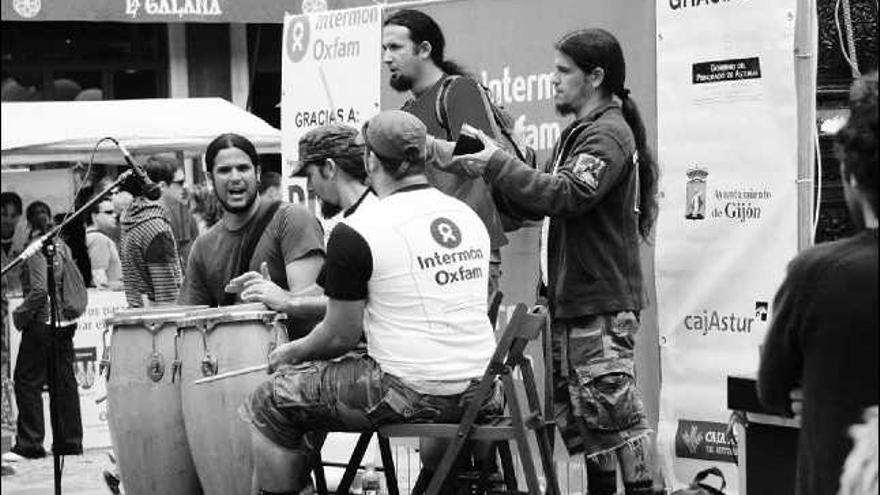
column 597, row 195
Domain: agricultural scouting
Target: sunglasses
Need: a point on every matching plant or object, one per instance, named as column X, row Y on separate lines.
column 108, row 212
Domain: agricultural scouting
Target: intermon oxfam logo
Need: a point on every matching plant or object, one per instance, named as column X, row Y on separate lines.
column 446, row 233
column 297, row 42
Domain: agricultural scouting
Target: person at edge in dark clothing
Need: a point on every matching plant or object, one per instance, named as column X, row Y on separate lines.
column 822, row 347
column 597, row 198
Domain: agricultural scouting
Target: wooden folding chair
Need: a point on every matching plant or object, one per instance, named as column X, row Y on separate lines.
column 523, row 327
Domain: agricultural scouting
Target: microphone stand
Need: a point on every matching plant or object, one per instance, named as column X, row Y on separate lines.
column 46, row 244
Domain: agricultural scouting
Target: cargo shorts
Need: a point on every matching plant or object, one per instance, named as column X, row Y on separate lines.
column 347, row 394
column 596, row 403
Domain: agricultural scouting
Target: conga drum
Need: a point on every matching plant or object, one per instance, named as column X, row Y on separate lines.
column 144, row 401
column 221, row 340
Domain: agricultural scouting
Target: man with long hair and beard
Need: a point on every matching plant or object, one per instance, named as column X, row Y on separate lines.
column 286, row 237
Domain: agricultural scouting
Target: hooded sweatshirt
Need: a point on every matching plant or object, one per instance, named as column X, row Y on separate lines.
column 150, row 264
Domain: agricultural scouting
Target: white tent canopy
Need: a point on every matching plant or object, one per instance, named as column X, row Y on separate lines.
column 52, row 131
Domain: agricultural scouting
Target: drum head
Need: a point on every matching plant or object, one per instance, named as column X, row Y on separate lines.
column 161, row 313
column 228, row 314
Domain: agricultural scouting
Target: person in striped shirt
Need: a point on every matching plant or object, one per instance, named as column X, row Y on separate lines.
column 150, row 263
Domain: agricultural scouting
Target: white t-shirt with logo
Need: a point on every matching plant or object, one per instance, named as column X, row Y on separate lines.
column 420, row 259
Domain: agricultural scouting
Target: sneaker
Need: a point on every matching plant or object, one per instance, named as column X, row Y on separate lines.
column 112, row 481
column 13, row 457
column 17, row 455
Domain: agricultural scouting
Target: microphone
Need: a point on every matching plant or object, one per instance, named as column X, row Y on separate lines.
column 151, row 189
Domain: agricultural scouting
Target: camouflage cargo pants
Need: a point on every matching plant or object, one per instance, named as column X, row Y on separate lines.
column 596, row 403
column 346, row 394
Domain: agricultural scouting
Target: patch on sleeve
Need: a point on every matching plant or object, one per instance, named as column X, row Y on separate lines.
column 589, row 169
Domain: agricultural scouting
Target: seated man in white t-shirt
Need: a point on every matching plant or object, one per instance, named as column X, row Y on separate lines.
column 409, row 273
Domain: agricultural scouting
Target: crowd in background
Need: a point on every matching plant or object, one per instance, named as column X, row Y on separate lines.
column 192, row 210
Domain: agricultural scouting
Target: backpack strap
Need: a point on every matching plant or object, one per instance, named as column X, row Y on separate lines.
column 440, row 105
column 498, row 131
column 250, row 245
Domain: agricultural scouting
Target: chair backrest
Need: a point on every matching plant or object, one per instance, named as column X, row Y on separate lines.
column 523, row 326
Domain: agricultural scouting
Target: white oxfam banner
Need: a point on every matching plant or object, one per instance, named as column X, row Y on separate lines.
column 330, row 74
column 727, row 136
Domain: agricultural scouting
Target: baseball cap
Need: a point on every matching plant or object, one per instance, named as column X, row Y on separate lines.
column 330, row 141
column 396, row 135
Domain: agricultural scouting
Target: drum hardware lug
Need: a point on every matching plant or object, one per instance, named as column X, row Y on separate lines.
column 175, row 369
column 104, row 369
column 104, row 365
column 277, row 329
column 209, row 365
column 209, row 325
column 176, row 364
column 156, row 367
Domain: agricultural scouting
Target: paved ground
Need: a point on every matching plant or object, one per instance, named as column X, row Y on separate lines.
column 81, row 476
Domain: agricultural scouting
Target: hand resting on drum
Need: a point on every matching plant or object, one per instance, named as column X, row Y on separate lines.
column 266, row 292
column 257, row 287
column 240, row 283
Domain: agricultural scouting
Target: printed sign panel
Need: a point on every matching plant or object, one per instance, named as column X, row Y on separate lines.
column 320, row 54
column 727, row 227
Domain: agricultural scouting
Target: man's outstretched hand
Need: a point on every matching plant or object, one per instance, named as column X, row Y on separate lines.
column 474, row 164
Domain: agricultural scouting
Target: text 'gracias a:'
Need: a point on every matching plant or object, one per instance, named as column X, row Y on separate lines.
column 326, row 116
